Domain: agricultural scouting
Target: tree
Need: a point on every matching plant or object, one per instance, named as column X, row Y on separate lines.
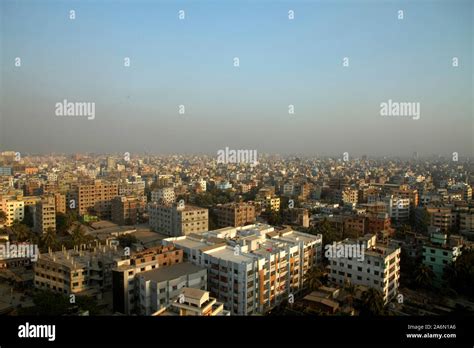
column 63, row 222
column 424, row 276
column 372, row 302
column 3, row 217
column 21, row 231
column 48, row 238
column 313, row 278
column 328, row 232
column 127, row 240
column 79, row 236
column 460, row 274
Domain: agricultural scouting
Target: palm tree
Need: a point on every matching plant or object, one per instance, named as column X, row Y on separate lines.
column 313, row 278
column 21, row 231
column 49, row 238
column 78, row 235
column 373, row 303
column 424, row 276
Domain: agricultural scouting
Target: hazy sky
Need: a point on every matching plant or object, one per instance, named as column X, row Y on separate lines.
column 190, row 62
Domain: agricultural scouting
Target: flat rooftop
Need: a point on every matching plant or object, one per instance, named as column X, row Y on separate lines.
column 228, row 253
column 177, row 270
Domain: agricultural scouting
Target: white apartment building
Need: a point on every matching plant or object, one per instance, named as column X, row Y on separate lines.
column 398, row 208
column 177, row 220
column 163, row 195
column 252, row 268
column 379, row 267
column 159, row 287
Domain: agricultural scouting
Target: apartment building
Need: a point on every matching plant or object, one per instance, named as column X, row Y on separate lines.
column 45, row 215
column 127, row 210
column 252, row 268
column 398, row 209
column 355, row 224
column 466, row 223
column 159, row 287
column 377, row 267
column 269, row 203
column 125, row 292
column 13, row 208
column 235, row 214
column 440, row 252
column 79, row 270
column 178, row 219
column 96, row 198
column 165, row 196
column 348, row 195
column 378, row 222
column 443, row 218
column 60, row 202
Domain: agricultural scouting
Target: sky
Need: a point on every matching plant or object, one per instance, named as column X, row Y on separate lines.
column 283, row 62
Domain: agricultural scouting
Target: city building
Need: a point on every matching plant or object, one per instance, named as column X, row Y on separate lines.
column 196, row 302
column 163, row 195
column 13, row 208
column 440, row 252
column 125, row 291
column 127, row 210
column 45, row 215
column 79, row 270
column 375, row 265
column 159, row 287
column 252, row 268
column 177, row 219
column 96, row 198
column 235, row 214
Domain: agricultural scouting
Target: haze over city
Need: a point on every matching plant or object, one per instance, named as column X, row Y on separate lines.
column 282, row 62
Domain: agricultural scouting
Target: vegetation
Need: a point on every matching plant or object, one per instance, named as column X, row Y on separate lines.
column 423, row 276
column 127, row 240
column 460, row 274
column 54, row 304
column 372, row 303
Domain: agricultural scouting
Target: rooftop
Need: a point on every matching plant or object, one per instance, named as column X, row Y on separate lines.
column 177, row 270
